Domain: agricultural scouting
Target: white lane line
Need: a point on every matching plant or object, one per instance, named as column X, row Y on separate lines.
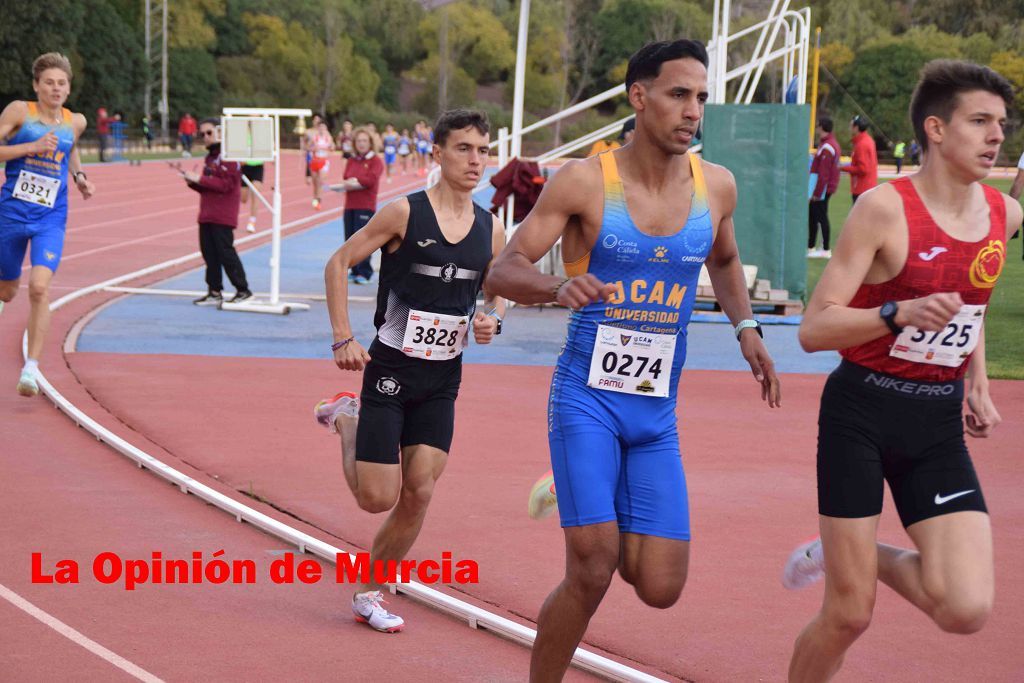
column 76, row 637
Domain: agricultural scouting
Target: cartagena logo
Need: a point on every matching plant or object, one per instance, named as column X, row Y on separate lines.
column 988, row 264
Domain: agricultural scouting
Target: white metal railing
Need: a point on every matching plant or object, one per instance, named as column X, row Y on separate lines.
column 794, row 52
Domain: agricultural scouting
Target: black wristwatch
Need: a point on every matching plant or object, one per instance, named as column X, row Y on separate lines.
column 497, row 317
column 888, row 314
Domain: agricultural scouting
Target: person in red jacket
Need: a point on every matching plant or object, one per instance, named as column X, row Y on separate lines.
column 103, row 131
column 863, row 166
column 362, row 179
column 186, row 131
column 219, row 188
column 825, row 171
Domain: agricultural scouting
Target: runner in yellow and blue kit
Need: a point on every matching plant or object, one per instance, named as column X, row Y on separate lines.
column 614, row 389
column 39, row 150
column 635, row 225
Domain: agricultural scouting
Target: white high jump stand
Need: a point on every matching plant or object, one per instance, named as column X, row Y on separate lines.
column 253, row 134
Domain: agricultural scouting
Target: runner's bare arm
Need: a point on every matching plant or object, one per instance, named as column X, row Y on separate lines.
column 567, row 196
column 1014, row 211
column 829, row 322
column 11, row 119
column 387, row 226
column 84, row 185
column 484, row 324
column 1018, row 184
column 726, row 271
column 982, row 416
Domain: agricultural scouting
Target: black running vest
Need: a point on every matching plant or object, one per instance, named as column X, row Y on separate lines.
column 429, row 273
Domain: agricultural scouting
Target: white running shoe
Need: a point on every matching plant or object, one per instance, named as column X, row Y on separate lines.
column 251, row 225
column 543, row 501
column 27, row 385
column 826, row 253
column 368, row 609
column 805, row 566
column 327, row 410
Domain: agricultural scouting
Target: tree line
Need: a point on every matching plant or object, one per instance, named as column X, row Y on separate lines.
column 384, row 59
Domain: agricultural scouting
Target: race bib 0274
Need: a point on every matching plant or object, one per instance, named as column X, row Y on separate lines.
column 631, row 362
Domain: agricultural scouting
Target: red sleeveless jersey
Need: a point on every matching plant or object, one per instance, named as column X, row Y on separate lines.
column 935, row 262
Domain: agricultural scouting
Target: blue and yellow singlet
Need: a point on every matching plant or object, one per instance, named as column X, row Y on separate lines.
column 52, row 166
column 611, row 413
column 656, row 277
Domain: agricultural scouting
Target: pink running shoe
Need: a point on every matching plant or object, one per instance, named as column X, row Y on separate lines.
column 327, row 410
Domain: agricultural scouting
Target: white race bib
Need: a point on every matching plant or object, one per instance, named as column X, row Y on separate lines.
column 631, row 362
column 434, row 336
column 36, row 189
column 949, row 346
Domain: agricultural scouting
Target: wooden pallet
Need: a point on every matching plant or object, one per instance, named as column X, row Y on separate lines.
column 787, row 307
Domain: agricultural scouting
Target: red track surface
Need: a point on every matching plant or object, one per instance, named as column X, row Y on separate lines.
column 244, row 426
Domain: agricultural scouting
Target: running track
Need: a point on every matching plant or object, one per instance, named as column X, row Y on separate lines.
column 243, row 427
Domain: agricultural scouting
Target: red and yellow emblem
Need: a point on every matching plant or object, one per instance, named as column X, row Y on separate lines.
column 988, row 264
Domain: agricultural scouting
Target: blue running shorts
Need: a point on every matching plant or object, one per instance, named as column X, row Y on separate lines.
column 616, row 458
column 47, row 241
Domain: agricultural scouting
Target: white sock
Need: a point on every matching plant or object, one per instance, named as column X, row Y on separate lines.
column 32, row 366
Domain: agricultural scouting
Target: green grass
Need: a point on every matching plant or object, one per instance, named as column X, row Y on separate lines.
column 1004, row 323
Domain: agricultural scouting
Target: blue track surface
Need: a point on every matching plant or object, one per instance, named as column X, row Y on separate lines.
column 172, row 325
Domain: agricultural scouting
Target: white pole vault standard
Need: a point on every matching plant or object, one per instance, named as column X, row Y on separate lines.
column 254, row 134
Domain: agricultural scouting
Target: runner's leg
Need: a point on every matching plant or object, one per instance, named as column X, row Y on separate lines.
column 851, row 574
column 591, row 556
column 950, row 577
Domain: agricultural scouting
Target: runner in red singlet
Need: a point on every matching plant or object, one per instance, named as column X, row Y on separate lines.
column 320, row 145
column 904, row 299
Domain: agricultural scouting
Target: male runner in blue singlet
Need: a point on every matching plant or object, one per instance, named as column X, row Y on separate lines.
column 636, row 225
column 39, row 150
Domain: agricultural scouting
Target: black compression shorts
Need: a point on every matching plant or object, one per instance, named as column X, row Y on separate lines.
column 253, row 173
column 405, row 402
column 874, row 427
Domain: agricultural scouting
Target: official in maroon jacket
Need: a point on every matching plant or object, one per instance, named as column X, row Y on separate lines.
column 219, row 189
column 825, row 171
column 362, row 179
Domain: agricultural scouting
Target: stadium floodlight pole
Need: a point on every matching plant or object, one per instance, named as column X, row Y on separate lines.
column 164, row 109
column 517, row 104
column 149, row 61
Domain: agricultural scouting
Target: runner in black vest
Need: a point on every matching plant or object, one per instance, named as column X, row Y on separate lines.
column 437, row 245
